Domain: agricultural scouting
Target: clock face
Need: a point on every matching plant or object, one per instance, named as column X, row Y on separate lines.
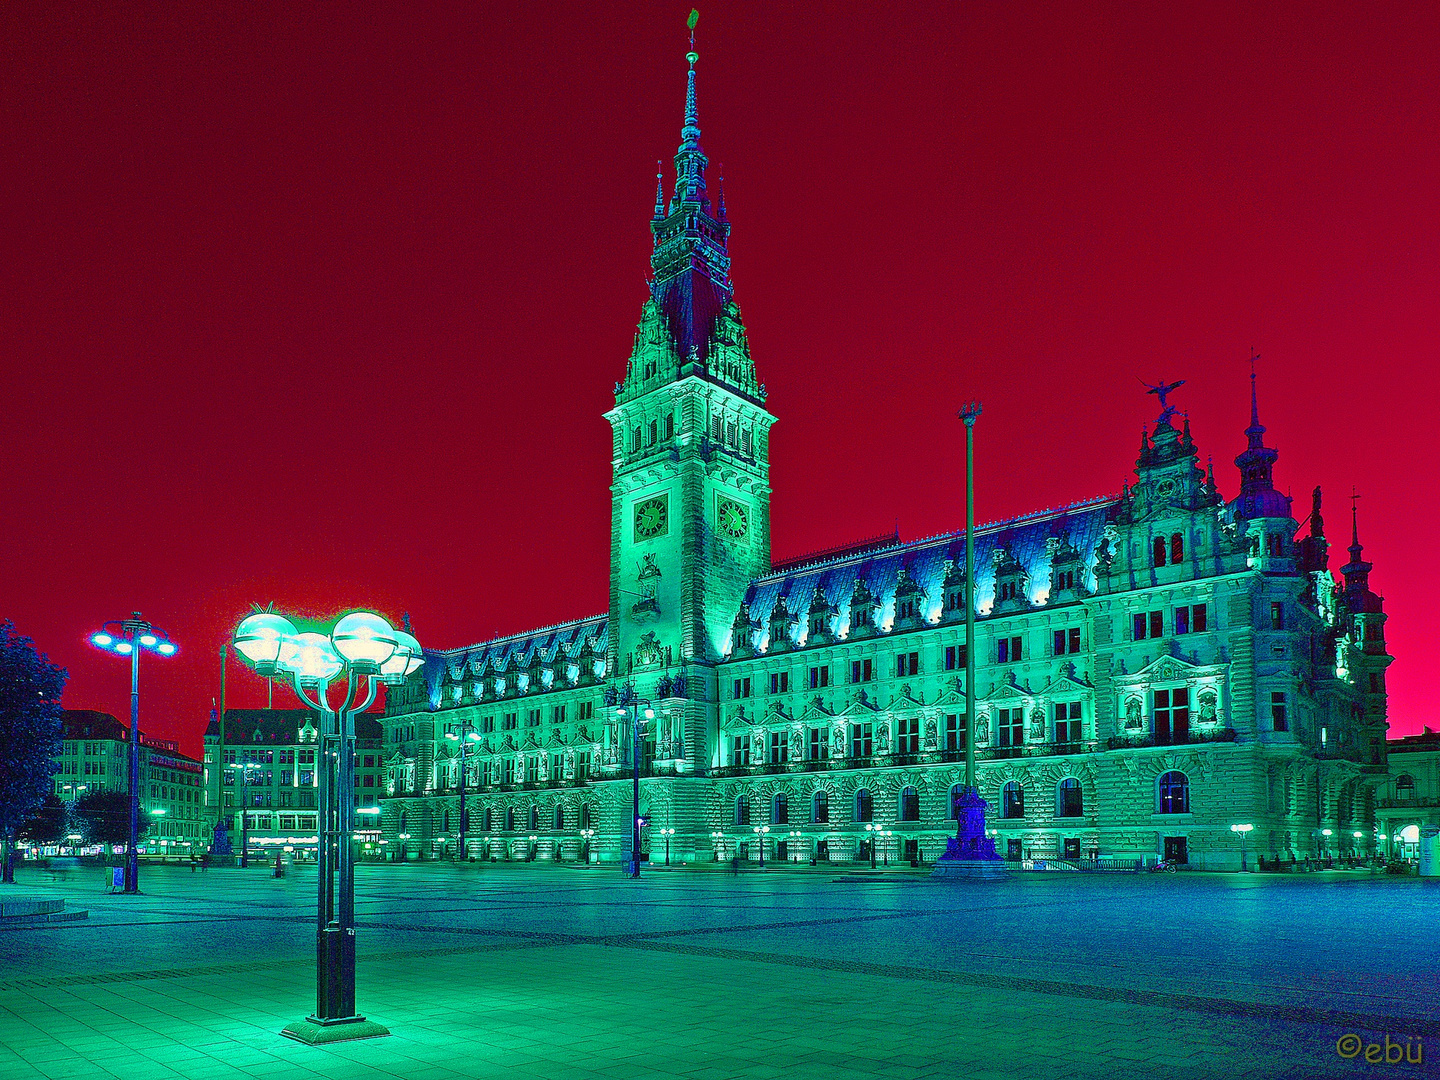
column 652, row 518
column 732, row 518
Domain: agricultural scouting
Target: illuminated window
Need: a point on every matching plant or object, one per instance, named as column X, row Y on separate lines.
column 820, row 807
column 1159, row 551
column 779, row 748
column 861, row 740
column 819, row 678
column 1012, row 801
column 819, row 743
column 559, row 819
column 1177, row 548
column 741, row 755
column 955, row 730
column 864, row 806
column 1405, row 788
column 780, row 809
column 742, row 811
column 907, row 664
column 1067, row 721
column 909, row 736
column 1012, row 726
column 1067, row 641
column 1174, row 792
column 862, row 670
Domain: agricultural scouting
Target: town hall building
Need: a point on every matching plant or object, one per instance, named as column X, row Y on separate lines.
column 1152, row 667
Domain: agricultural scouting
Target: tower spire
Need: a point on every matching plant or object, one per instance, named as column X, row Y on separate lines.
column 659, row 191
column 690, row 160
column 1258, row 497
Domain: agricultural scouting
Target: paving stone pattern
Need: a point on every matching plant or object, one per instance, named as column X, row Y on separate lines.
column 545, row 972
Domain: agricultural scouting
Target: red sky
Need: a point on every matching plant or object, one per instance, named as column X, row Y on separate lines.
column 322, row 304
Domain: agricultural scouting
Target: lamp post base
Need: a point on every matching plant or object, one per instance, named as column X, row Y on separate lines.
column 315, row 1032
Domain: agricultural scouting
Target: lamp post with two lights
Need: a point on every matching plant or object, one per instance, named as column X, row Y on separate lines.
column 466, row 735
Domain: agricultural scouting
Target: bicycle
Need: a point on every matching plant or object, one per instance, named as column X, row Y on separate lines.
column 1163, row 866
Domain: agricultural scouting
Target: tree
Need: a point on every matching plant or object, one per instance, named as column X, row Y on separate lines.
column 30, row 733
column 103, row 817
column 49, row 825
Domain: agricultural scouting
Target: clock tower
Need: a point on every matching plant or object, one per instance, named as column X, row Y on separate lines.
column 690, row 498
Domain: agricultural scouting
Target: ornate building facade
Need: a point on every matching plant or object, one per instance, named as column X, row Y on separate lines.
column 1153, row 667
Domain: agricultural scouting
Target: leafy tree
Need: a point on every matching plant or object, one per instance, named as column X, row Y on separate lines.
column 30, row 733
column 50, row 824
column 103, row 817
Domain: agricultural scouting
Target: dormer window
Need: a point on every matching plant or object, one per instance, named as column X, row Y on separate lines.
column 905, row 609
column 1007, row 590
column 650, row 369
column 1065, row 579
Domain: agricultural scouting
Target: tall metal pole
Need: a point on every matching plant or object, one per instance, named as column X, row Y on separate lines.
column 464, row 738
column 970, row 413
column 345, row 835
column 132, row 854
column 220, row 753
column 635, row 801
column 244, row 815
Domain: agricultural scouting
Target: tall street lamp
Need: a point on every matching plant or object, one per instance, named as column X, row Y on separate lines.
column 466, row 735
column 667, row 833
column 639, row 710
column 716, row 838
column 127, row 637
column 874, row 831
column 760, row 833
column 245, row 768
column 585, row 835
column 368, row 652
column 1243, row 831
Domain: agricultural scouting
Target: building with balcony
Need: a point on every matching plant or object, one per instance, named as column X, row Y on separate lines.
column 1409, row 798
column 1153, row 666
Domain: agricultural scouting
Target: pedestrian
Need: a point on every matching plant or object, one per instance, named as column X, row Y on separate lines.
column 735, row 865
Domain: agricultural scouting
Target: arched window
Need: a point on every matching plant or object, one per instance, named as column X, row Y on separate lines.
column 445, row 821
column 820, row 807
column 864, row 806
column 1069, row 799
column 1174, row 793
column 1177, row 548
column 585, row 822
column 534, row 817
column 780, row 809
column 559, row 816
column 954, row 794
column 489, row 819
column 1405, row 788
column 1159, row 551
column 1013, row 800
column 742, row 811
column 909, row 805
column 653, row 433
column 636, row 444
column 510, row 819
column 669, row 425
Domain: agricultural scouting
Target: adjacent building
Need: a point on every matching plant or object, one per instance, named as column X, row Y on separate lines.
column 1409, row 799
column 95, row 756
column 263, row 767
column 1153, row 666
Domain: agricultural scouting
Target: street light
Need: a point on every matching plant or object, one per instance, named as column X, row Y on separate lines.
column 368, row 652
column 667, row 833
column 760, row 833
column 717, row 840
column 874, row 831
column 245, row 767
column 585, row 835
column 628, row 704
column 466, row 735
column 794, row 843
column 128, row 637
column 1244, row 831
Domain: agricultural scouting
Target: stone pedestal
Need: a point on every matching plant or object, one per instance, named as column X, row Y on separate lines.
column 970, row 854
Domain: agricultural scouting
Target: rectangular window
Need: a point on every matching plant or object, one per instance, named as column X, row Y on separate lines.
column 742, row 688
column 909, row 740
column 955, row 658
column 861, row 740
column 1157, row 624
column 779, row 682
column 509, row 770
column 819, row 678
column 779, row 748
column 1172, row 716
column 1277, row 615
column 512, row 721
column 488, row 725
column 1012, row 726
column 532, row 769
column 557, row 766
column 532, row 717
column 907, row 664
column 862, row 670
column 1182, row 620
column 582, row 764
column 1009, row 650
column 819, row 744
column 741, row 755
column 557, row 714
column 1067, row 721
column 587, row 710
column 955, row 731
column 1067, row 640
column 1279, row 711
column 1138, row 628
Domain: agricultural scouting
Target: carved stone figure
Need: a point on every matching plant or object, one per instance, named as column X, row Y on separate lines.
column 931, row 736
column 647, row 650
column 1207, row 706
column 1133, row 719
column 1037, row 724
column 982, row 730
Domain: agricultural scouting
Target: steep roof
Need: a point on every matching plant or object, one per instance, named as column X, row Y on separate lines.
column 279, row 727
column 93, row 724
column 1083, row 523
column 549, row 643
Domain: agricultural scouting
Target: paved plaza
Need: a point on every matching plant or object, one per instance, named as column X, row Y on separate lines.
column 560, row 972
